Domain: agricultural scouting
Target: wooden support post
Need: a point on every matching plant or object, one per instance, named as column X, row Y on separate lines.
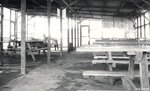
column 149, row 22
column 10, row 26
column 75, row 33
column 89, row 35
column 144, row 73
column 61, row 38
column 80, row 36
column 16, row 25
column 110, row 65
column 131, row 66
column 144, row 27
column 27, row 28
column 15, row 29
column 141, row 27
column 71, row 30
column 49, row 37
column 23, row 36
column 137, row 30
column 1, row 34
column 68, row 41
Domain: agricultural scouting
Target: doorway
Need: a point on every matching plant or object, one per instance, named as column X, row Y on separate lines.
column 84, row 35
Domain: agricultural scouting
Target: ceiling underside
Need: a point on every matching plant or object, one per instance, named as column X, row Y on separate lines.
column 85, row 8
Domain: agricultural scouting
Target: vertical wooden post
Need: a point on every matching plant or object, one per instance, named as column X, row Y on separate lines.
column 144, row 27
column 1, row 33
column 137, row 30
column 27, row 28
column 80, row 35
column 16, row 25
column 71, row 30
column 75, row 33
column 149, row 22
column 144, row 73
column 23, row 36
column 141, row 27
column 10, row 26
column 89, row 35
column 61, row 38
column 49, row 36
column 68, row 33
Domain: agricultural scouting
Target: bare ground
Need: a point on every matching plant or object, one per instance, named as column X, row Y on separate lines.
column 63, row 74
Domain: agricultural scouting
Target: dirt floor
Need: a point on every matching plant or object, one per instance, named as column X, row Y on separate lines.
column 63, row 74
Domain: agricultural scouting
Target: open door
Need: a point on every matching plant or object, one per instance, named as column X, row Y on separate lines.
column 85, row 35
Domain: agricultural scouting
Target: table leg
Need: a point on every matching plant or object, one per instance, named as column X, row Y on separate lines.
column 131, row 66
column 144, row 73
column 110, row 66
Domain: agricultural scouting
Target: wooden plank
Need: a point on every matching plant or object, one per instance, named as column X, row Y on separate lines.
column 144, row 73
column 128, row 84
column 131, row 53
column 108, row 73
column 23, row 36
column 115, row 61
column 49, row 35
column 122, row 43
column 113, row 57
column 123, row 48
column 30, row 51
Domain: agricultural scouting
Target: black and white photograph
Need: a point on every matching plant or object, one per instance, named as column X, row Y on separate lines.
column 74, row 45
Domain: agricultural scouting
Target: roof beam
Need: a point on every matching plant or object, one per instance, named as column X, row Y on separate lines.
column 100, row 11
column 121, row 5
column 148, row 3
column 98, row 7
column 71, row 3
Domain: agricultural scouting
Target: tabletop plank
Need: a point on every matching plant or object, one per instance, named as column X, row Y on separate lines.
column 113, row 48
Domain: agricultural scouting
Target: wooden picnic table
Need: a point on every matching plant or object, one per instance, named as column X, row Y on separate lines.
column 131, row 50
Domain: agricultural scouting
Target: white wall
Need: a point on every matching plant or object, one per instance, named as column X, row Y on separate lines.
column 115, row 27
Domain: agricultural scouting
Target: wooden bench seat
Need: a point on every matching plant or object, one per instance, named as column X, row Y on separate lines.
column 86, row 74
column 114, row 61
column 113, row 57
